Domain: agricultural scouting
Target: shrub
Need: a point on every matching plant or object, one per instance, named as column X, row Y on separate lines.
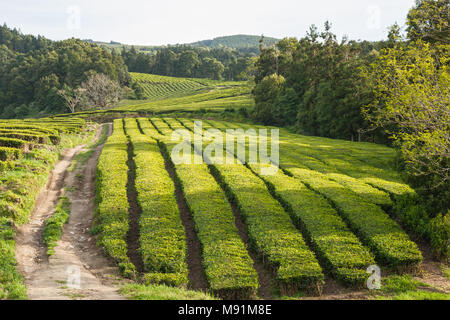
column 112, row 201
column 336, row 246
column 13, row 143
column 228, row 267
column 10, row 154
column 162, row 237
column 390, row 244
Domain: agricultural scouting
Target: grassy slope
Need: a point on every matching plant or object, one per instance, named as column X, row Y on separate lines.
column 207, row 94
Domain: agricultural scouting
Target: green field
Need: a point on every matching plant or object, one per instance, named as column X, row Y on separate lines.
column 303, row 222
column 327, row 213
column 168, row 94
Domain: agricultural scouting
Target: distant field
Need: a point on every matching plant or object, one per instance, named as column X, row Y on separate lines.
column 156, row 87
column 170, row 94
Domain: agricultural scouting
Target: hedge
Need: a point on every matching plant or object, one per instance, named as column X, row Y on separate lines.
column 358, row 186
column 13, row 143
column 350, row 198
column 162, row 236
column 10, row 154
column 112, row 201
column 290, row 147
column 228, row 267
column 35, row 138
column 271, row 232
column 270, row 229
column 390, row 244
column 337, row 247
column 54, row 138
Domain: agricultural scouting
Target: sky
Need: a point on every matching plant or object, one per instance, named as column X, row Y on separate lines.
column 150, row 22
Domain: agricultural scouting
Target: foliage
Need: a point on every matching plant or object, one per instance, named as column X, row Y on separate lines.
column 112, row 201
column 322, row 93
column 339, row 249
column 428, row 21
column 162, row 238
column 228, row 267
column 412, row 93
column 190, row 61
column 242, row 42
column 266, row 92
column 153, row 87
column 376, row 229
column 34, row 70
column 270, row 229
column 101, row 91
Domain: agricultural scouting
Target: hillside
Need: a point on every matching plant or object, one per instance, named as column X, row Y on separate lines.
column 236, row 42
column 239, row 42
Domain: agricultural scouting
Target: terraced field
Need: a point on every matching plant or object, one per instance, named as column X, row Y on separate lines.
column 325, row 214
column 28, row 151
column 156, row 87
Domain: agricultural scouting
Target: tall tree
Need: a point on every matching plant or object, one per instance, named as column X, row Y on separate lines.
column 429, row 21
column 101, row 91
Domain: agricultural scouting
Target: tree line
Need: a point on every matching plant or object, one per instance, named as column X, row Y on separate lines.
column 38, row 75
column 191, row 62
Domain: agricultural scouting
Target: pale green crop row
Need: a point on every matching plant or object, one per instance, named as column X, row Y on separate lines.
column 270, row 229
column 112, row 214
column 162, row 239
column 228, row 267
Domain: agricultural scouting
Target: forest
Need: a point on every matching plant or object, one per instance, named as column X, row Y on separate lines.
column 34, row 69
column 190, row 61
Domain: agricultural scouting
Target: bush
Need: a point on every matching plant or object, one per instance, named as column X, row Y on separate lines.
column 375, row 228
column 13, row 143
column 440, row 235
column 162, row 237
column 112, row 200
column 271, row 232
column 10, row 154
column 228, row 267
column 336, row 246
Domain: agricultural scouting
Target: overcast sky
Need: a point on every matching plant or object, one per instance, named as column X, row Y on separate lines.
column 150, row 22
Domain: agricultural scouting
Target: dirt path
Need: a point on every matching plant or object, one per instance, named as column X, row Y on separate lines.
column 55, row 278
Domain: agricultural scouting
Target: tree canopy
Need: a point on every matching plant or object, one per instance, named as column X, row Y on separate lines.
column 34, row 69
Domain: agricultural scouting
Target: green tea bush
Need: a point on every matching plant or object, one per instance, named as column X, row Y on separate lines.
column 162, row 237
column 111, row 198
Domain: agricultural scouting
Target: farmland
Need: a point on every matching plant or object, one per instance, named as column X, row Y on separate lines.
column 300, row 227
column 219, row 228
column 195, row 227
column 28, row 151
column 157, row 87
column 166, row 95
